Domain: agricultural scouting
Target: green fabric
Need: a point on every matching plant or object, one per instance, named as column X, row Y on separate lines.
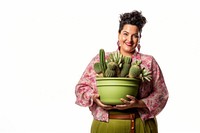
column 123, row 126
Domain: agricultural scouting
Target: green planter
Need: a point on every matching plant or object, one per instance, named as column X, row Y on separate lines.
column 114, row 88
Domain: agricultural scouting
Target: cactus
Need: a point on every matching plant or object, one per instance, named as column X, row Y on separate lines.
column 145, row 75
column 118, row 65
column 110, row 73
column 111, row 70
column 126, row 66
column 102, row 61
column 116, row 57
column 127, row 60
column 135, row 69
column 112, row 66
column 97, row 68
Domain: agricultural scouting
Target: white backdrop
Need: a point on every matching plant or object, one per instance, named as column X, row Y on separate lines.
column 45, row 46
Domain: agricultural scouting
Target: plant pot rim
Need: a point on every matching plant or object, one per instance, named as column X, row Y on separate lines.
column 117, row 78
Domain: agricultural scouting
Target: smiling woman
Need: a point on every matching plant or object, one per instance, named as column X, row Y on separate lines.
column 128, row 39
column 135, row 114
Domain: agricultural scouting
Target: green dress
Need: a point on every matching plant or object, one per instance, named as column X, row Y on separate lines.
column 124, row 126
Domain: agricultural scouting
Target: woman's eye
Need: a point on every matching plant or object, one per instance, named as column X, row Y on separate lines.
column 125, row 34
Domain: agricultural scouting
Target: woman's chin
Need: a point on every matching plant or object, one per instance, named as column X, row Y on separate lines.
column 129, row 50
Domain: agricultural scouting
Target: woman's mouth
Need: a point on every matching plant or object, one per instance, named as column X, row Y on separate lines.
column 128, row 44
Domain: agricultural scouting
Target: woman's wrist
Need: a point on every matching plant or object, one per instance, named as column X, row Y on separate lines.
column 141, row 104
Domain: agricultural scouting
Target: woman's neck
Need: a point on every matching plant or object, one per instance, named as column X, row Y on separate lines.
column 128, row 54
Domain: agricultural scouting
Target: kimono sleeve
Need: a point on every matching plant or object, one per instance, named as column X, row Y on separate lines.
column 86, row 86
column 158, row 97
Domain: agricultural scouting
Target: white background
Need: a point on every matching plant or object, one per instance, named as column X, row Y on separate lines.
column 45, row 46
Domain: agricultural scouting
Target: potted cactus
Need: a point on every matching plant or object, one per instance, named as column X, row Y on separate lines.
column 118, row 76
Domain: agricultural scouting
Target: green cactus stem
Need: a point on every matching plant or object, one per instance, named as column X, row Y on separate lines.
column 97, row 68
column 102, row 61
column 135, row 69
column 111, row 70
column 125, row 70
column 110, row 73
column 126, row 66
column 112, row 66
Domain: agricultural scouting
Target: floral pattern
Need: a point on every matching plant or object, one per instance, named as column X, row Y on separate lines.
column 154, row 94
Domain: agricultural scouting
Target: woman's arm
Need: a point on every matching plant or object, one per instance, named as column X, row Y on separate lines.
column 158, row 97
column 86, row 91
column 86, row 86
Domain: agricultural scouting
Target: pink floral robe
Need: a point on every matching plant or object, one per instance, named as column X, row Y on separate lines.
column 154, row 94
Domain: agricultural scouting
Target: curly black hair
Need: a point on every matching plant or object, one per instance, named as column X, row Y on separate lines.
column 134, row 18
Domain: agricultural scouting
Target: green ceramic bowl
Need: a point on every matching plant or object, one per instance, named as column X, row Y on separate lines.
column 113, row 88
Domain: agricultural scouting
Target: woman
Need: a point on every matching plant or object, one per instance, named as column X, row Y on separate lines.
column 137, row 115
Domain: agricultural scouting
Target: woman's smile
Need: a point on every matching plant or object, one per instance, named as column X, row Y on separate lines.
column 128, row 43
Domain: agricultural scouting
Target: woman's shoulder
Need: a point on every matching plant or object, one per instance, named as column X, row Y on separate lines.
column 147, row 59
column 146, row 56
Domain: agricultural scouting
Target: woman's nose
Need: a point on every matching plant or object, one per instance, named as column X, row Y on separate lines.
column 130, row 39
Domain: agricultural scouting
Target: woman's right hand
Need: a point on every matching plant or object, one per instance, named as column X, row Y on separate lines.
column 96, row 99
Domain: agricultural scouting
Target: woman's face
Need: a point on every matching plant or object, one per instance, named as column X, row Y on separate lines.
column 128, row 39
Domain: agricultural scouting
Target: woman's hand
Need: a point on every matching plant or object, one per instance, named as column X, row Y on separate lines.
column 132, row 103
column 99, row 103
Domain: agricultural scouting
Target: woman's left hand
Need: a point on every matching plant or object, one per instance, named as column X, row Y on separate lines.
column 132, row 103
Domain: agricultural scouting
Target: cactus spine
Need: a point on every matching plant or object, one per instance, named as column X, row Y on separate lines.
column 102, row 61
